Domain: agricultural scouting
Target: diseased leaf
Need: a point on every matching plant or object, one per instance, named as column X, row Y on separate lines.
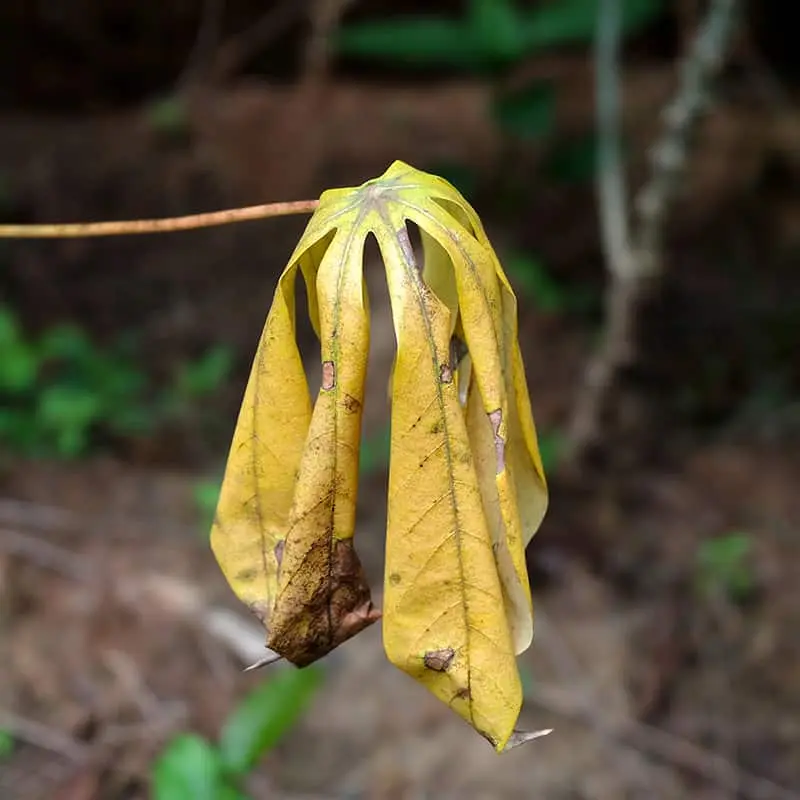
column 444, row 619
column 466, row 485
column 323, row 596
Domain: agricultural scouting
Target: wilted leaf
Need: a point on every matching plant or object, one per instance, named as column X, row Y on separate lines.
column 284, row 526
column 466, row 486
column 265, row 716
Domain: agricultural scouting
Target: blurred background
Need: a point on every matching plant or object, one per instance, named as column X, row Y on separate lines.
column 655, row 258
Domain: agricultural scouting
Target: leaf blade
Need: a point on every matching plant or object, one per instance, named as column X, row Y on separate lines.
column 444, row 622
column 265, row 716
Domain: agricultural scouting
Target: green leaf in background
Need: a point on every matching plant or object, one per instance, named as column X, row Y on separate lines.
column 189, row 767
column 6, row 744
column 495, row 26
column 265, row 716
column 561, row 22
column 412, row 42
column 723, row 565
column 536, row 284
column 375, row 451
column 19, row 365
column 69, row 413
column 206, row 497
column 231, row 793
column 552, row 445
column 493, row 32
column 206, row 374
column 528, row 114
column 65, row 343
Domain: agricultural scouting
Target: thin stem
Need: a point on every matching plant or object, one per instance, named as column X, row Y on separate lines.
column 71, row 230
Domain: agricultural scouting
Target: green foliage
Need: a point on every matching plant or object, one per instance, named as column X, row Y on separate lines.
column 375, row 451
column 168, row 117
column 60, row 391
column 551, row 447
column 492, row 33
column 199, row 378
column 6, row 744
column 537, row 285
column 206, row 496
column 265, row 716
column 723, row 567
column 190, row 766
column 491, row 37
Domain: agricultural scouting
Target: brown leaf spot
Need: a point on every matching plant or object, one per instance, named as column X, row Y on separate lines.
column 245, row 575
column 395, row 579
column 351, row 405
column 331, row 603
column 328, row 375
column 496, row 418
column 439, row 660
column 462, row 694
column 445, row 374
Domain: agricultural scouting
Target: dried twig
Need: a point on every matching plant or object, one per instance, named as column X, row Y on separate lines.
column 634, row 260
column 72, row 230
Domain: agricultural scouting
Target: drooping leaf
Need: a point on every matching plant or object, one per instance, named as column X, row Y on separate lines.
column 444, row 618
column 283, row 532
column 466, row 486
column 265, row 716
column 323, row 596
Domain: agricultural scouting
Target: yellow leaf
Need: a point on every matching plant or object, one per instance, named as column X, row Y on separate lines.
column 323, row 597
column 284, row 523
column 444, row 620
column 466, row 486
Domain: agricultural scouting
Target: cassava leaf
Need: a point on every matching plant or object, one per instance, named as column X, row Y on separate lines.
column 284, row 524
column 466, row 486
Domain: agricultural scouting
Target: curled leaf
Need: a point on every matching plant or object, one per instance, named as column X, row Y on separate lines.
column 466, row 485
